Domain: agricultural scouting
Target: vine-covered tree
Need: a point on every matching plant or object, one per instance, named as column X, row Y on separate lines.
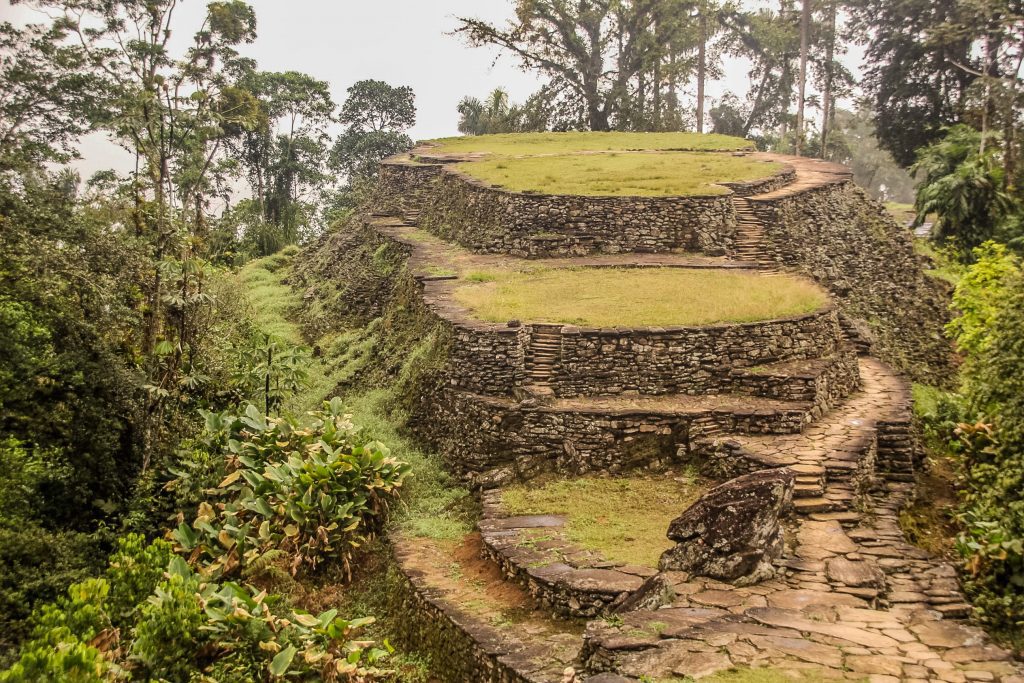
column 283, row 156
column 592, row 49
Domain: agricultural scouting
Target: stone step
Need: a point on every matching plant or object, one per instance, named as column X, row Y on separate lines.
column 803, row 491
column 806, row 506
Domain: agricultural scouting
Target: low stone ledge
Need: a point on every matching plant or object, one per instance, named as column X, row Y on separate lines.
column 532, row 551
column 461, row 648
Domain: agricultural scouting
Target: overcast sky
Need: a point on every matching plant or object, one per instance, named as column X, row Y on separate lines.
column 403, row 42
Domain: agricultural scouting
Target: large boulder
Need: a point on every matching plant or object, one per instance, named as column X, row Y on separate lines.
column 732, row 533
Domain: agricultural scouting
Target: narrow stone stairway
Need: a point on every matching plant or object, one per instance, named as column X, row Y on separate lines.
column 749, row 233
column 545, row 346
column 411, row 217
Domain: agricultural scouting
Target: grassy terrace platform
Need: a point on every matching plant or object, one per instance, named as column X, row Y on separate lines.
column 623, row 518
column 628, row 174
column 635, row 297
column 514, row 144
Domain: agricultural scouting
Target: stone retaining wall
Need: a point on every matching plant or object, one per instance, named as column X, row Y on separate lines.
column 487, row 361
column 403, row 186
column 688, row 360
column 492, row 220
column 460, row 649
column 848, row 243
column 532, row 551
column 826, row 382
column 492, row 359
column 491, row 442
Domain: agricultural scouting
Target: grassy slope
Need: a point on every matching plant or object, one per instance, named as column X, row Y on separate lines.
column 433, row 502
column 608, row 297
column 630, row 174
column 624, row 518
column 560, row 143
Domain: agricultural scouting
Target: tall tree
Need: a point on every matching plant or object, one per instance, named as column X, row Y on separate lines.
column 801, row 100
column 770, row 40
column 282, row 152
column 376, row 116
column 828, row 76
column 914, row 81
column 594, row 49
column 168, row 111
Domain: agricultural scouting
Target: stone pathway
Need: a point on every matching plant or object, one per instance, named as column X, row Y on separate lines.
column 852, row 597
column 828, row 455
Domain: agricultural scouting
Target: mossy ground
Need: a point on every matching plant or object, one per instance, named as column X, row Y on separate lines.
column 512, row 144
column 627, row 174
column 434, row 505
column 623, row 518
column 626, row 297
column 946, row 267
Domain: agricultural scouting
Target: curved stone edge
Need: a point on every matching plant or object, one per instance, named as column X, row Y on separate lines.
column 427, row 151
column 492, row 220
column 787, row 176
column 461, row 646
column 532, row 551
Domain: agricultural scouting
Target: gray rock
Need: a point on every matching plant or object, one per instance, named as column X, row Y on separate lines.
column 733, row 532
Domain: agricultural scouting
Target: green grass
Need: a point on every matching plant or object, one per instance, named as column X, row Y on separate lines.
column 902, row 212
column 626, row 297
column 637, row 174
column 946, row 268
column 434, row 505
column 272, row 300
column 624, row 518
column 511, row 144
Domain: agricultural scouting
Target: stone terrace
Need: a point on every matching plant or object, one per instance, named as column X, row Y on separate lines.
column 850, row 599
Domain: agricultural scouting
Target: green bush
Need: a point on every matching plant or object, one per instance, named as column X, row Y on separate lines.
column 182, row 626
column 36, row 566
column 990, row 438
column 310, row 490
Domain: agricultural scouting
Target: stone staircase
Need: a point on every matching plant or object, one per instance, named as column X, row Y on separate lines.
column 411, row 216
column 749, row 234
column 897, row 450
column 545, row 346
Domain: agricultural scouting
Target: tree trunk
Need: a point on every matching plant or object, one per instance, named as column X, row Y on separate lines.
column 640, row 121
column 805, row 27
column 672, row 78
column 657, row 93
column 702, row 64
column 827, row 104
